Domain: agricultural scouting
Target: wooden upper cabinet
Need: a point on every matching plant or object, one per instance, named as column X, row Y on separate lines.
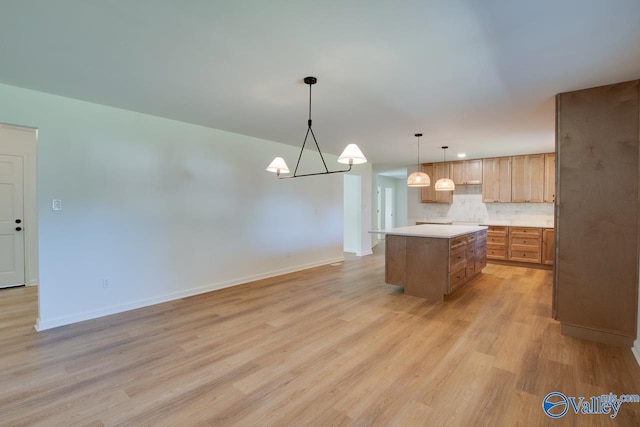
column 496, row 180
column 550, row 178
column 467, row 172
column 527, row 178
column 428, row 194
column 435, row 172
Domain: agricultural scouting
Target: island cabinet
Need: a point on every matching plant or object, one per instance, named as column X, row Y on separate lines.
column 435, row 172
column 432, row 267
column 527, row 178
column 496, row 180
column 466, row 172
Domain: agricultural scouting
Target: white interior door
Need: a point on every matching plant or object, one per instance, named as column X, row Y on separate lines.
column 11, row 221
column 388, row 208
column 379, row 210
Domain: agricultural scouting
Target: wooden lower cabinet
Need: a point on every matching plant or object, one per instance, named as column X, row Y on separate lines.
column 548, row 246
column 520, row 244
column 497, row 240
column 525, row 244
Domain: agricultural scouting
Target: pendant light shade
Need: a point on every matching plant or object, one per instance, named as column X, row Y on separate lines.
column 418, row 179
column 445, row 184
column 278, row 166
column 350, row 156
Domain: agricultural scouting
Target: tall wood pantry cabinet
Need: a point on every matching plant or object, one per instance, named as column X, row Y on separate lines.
column 597, row 221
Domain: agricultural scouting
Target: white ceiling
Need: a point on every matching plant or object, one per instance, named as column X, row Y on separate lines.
column 477, row 75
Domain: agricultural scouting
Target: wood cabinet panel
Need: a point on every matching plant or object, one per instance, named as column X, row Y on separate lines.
column 550, row 177
column 596, row 274
column 496, row 180
column 428, row 194
column 435, row 172
column 548, row 246
column 467, row 172
column 527, row 178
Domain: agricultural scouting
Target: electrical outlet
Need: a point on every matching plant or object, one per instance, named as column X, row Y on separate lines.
column 56, row 205
column 105, row 283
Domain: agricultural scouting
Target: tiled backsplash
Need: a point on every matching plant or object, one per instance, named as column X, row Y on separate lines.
column 467, row 206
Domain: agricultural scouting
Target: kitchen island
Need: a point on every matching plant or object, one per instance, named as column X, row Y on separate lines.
column 433, row 260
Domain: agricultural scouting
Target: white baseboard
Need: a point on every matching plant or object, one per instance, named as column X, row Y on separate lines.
column 363, row 253
column 636, row 350
column 45, row 324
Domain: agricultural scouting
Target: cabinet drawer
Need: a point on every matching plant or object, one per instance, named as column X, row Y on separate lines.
column 471, row 268
column 471, row 251
column 523, row 256
column 457, row 279
column 497, row 239
column 532, row 241
column 482, row 234
column 525, row 248
column 496, row 253
column 457, row 266
column 496, row 246
column 480, row 264
column 457, row 254
column 457, row 242
column 495, row 230
column 525, row 232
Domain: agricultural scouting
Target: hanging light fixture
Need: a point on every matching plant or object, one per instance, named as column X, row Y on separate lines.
column 445, row 184
column 419, row 178
column 350, row 156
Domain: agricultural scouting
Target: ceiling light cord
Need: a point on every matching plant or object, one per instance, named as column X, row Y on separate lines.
column 295, row 171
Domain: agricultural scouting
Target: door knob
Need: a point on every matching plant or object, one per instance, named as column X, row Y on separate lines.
column 18, row 228
column 18, row 221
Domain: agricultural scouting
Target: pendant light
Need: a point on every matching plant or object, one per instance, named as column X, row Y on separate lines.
column 350, row 156
column 419, row 178
column 445, row 184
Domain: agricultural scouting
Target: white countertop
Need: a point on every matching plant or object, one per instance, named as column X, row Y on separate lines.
column 538, row 223
column 438, row 231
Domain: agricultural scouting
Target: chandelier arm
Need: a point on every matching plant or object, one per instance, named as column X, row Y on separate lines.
column 301, row 150
column 321, row 156
column 313, row 174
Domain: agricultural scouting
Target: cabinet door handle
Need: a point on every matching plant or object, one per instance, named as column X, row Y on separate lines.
column 18, row 228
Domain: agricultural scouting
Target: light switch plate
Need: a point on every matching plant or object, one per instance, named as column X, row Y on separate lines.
column 56, row 205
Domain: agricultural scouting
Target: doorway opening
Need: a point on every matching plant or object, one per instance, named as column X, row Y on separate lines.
column 18, row 207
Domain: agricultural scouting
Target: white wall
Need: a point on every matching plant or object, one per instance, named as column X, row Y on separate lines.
column 364, row 171
column 162, row 209
column 352, row 213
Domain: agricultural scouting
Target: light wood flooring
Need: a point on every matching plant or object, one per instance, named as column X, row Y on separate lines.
column 327, row 346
